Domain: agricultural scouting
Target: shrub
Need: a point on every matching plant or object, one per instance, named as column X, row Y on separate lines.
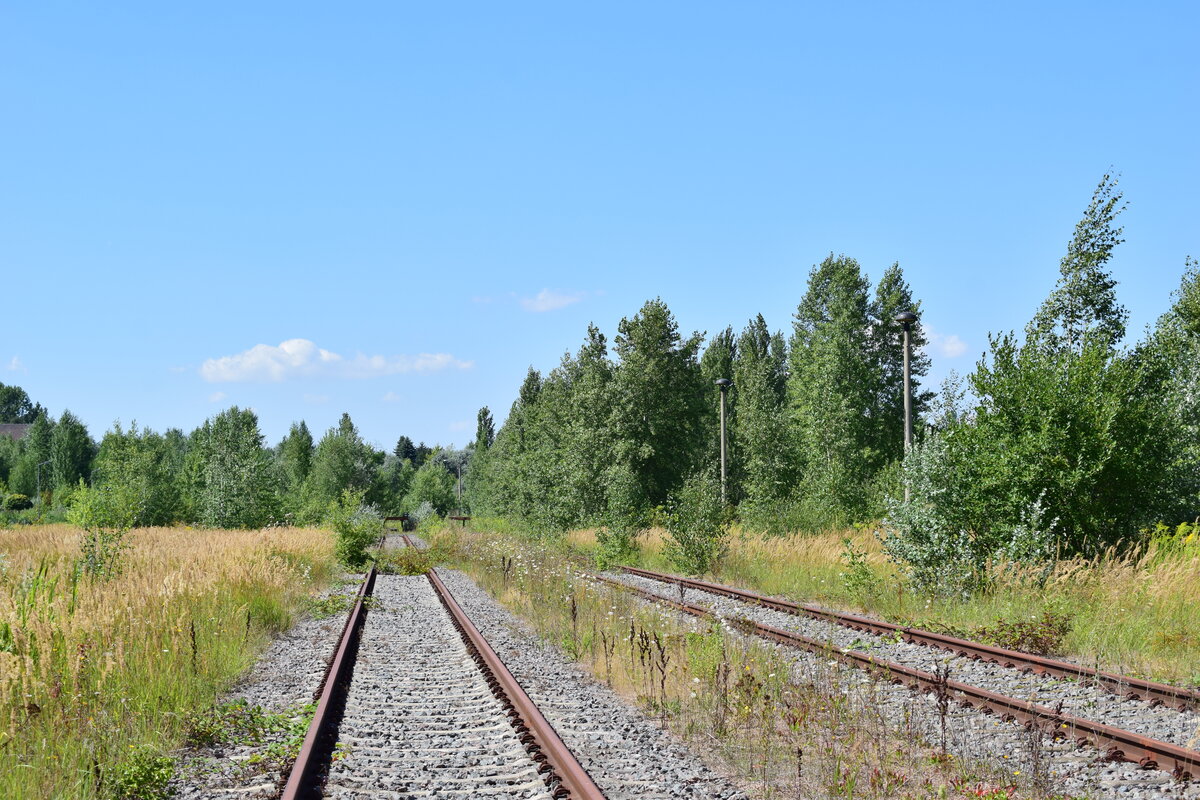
column 1043, row 637
column 145, row 776
column 105, row 514
column 357, row 525
column 17, row 502
column 696, row 524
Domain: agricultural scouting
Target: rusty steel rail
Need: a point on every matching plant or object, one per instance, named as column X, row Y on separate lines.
column 1126, row 686
column 303, row 780
column 408, row 541
column 1117, row 744
column 566, row 777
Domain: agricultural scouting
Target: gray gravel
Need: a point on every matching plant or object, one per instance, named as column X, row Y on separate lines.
column 972, row 734
column 627, row 755
column 285, row 678
column 420, row 719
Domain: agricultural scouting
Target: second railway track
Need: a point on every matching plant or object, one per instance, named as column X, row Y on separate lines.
column 1122, row 728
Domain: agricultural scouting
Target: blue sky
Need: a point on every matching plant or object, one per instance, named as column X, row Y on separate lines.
column 421, row 200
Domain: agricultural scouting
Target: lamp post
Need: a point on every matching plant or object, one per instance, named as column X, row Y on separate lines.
column 907, row 318
column 724, row 383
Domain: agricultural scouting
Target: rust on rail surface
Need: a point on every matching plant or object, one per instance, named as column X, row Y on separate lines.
column 1117, row 744
column 1126, row 686
column 567, row 778
column 303, row 780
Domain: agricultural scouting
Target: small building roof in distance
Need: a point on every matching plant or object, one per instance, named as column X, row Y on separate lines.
column 15, row 431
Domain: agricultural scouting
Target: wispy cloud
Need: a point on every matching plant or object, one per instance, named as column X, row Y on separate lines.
column 316, row 399
column 461, row 425
column 945, row 345
column 392, row 397
column 298, row 358
column 15, row 365
column 551, row 299
column 217, row 397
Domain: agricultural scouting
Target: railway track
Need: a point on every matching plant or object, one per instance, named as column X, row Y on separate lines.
column 431, row 710
column 775, row 620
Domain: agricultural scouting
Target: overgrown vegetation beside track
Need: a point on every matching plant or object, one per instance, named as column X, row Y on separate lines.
column 1135, row 612
column 99, row 678
column 793, row 735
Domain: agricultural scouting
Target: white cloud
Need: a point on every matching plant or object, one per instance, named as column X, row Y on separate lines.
column 15, row 365
column 461, row 425
column 392, row 397
column 550, row 300
column 947, row 346
column 316, row 399
column 217, row 397
column 297, row 358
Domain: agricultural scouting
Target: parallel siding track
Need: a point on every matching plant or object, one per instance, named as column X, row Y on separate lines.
column 1117, row 744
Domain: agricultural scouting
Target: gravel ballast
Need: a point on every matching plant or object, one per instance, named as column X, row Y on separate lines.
column 627, row 755
column 972, row 734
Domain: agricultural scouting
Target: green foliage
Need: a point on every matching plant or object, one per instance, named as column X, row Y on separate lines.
column 17, row 502
column 71, row 452
column 342, row 461
column 144, row 468
column 145, row 775
column 697, row 525
column 16, row 407
column 105, row 514
column 859, row 579
column 624, row 519
column 407, row 561
column 357, row 526
column 431, row 484
column 1042, row 636
column 233, row 482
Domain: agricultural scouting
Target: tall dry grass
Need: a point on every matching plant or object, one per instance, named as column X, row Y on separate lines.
column 1134, row 612
column 95, row 674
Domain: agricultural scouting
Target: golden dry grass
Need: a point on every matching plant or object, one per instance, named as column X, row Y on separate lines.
column 1136, row 613
column 95, row 672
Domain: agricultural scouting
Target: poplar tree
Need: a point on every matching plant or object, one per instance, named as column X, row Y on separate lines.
column 658, row 400
column 71, row 452
column 765, row 451
column 832, row 390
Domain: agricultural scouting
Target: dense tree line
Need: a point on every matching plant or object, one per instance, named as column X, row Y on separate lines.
column 814, row 424
column 1063, row 441
column 220, row 475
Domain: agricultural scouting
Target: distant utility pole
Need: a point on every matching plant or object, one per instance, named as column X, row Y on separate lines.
column 724, row 383
column 907, row 318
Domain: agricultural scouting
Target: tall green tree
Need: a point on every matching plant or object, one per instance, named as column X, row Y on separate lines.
column 295, row 457
column 16, row 407
column 71, row 452
column 342, row 461
column 235, row 481
column 485, row 429
column 1083, row 307
column 658, row 400
column 832, row 389
column 405, row 449
column 767, row 462
column 140, row 466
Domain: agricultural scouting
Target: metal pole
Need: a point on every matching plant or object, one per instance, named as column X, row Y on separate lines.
column 907, row 318
column 724, row 384
column 907, row 394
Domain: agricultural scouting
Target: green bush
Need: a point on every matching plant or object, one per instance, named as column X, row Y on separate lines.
column 17, row 502
column 696, row 524
column 144, row 776
column 357, row 525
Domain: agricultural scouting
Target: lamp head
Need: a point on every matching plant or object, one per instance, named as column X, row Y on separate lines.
column 906, row 318
column 724, row 383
